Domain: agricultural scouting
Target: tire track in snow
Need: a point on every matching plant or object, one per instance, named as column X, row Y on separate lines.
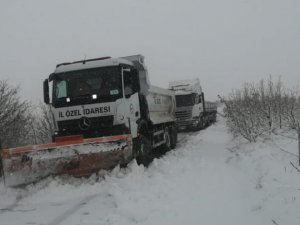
column 22, row 194
column 11, row 206
column 69, row 212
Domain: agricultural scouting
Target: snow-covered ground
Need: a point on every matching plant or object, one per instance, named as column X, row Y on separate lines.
column 208, row 179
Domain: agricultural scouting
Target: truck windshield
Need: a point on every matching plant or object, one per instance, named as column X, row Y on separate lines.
column 185, row 100
column 105, row 83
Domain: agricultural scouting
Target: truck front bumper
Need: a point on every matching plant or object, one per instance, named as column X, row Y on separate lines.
column 186, row 124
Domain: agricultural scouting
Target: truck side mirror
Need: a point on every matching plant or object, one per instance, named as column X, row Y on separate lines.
column 46, row 91
column 128, row 91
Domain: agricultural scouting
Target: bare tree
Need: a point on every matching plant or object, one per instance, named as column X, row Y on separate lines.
column 44, row 124
column 245, row 113
column 255, row 110
column 13, row 116
column 291, row 113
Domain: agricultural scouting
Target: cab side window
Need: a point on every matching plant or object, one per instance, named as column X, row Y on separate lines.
column 131, row 84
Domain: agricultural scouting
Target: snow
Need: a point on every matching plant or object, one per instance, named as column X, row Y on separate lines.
column 208, row 179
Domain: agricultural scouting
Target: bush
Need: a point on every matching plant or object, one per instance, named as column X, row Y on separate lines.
column 260, row 109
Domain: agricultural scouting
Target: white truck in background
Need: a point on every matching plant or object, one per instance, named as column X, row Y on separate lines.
column 192, row 111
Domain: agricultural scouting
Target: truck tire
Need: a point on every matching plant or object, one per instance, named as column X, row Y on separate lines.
column 215, row 117
column 167, row 145
column 144, row 148
column 206, row 122
column 200, row 124
column 173, row 132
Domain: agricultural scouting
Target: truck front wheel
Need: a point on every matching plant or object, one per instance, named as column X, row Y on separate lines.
column 200, row 124
column 173, row 133
column 167, row 145
column 143, row 150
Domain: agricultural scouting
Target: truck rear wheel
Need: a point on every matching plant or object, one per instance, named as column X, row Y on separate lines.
column 214, row 118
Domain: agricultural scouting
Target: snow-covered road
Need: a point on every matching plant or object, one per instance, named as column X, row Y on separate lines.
column 206, row 180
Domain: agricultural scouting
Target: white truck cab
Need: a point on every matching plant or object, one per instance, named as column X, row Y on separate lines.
column 111, row 96
column 192, row 111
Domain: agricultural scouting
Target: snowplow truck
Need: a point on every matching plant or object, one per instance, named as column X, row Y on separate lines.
column 192, row 111
column 105, row 113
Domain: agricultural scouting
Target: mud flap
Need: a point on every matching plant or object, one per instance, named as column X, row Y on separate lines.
column 84, row 157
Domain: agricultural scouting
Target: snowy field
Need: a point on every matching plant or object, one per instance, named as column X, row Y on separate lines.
column 208, row 179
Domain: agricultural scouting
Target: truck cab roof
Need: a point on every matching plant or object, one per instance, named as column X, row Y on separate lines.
column 186, row 86
column 91, row 63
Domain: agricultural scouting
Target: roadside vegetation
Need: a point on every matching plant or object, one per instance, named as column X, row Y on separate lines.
column 259, row 109
column 21, row 122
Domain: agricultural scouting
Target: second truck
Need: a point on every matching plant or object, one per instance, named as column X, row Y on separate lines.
column 105, row 113
column 193, row 112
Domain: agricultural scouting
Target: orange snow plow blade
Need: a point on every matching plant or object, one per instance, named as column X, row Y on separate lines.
column 72, row 155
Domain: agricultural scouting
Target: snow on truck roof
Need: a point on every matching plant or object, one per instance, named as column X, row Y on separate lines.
column 186, row 86
column 91, row 63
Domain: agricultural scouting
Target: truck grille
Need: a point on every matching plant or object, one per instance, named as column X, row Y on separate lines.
column 183, row 114
column 100, row 126
column 97, row 123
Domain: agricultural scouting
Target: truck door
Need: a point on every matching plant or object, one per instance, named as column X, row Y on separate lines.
column 131, row 90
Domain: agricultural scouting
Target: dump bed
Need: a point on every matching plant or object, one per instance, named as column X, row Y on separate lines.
column 210, row 106
column 161, row 105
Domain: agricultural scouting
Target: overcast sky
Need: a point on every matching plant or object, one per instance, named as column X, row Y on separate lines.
column 223, row 42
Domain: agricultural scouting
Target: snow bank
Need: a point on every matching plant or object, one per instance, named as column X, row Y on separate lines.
column 270, row 167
